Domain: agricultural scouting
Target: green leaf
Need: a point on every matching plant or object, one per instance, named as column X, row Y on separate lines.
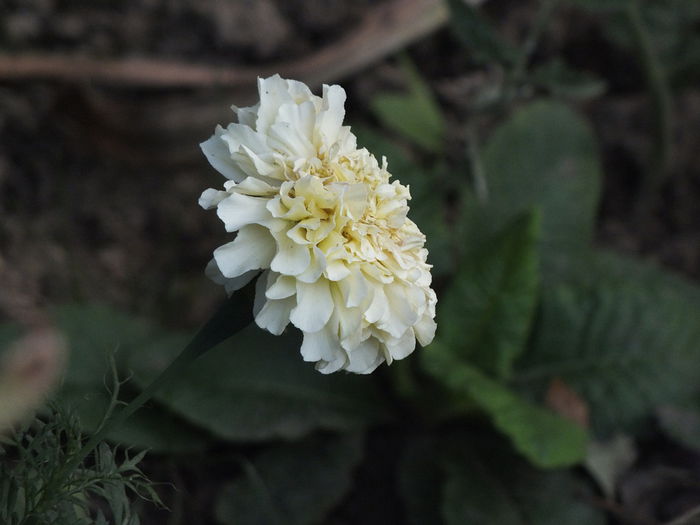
column 420, row 479
column 94, row 333
column 563, row 81
column 487, row 485
column 486, row 313
column 478, row 36
column 623, row 343
column 255, row 386
column 414, row 115
column 293, row 484
column 544, row 157
column 601, row 5
column 545, row 439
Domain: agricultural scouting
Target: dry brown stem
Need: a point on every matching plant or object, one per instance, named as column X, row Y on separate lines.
column 383, row 30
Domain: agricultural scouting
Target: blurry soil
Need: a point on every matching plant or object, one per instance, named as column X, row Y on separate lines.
column 99, row 184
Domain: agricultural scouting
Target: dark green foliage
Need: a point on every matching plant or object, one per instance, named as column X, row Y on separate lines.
column 295, row 484
column 623, row 344
column 469, row 476
column 486, row 313
column 480, row 39
column 545, row 157
column 414, row 115
column 35, row 488
column 544, row 438
column 264, row 387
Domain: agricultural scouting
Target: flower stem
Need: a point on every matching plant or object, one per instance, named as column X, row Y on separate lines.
column 661, row 107
column 227, row 321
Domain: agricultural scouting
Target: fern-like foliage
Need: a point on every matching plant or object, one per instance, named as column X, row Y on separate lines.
column 36, row 488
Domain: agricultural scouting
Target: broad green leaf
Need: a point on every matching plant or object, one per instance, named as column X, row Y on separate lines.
column 94, row 333
column 563, row 81
column 544, row 438
column 255, row 386
column 414, row 115
column 485, row 314
column 420, row 480
column 623, row 343
column 601, row 5
column 544, row 157
column 486, row 485
column 475, row 32
column 291, row 484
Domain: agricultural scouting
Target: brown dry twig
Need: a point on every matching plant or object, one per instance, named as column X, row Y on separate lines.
column 383, row 30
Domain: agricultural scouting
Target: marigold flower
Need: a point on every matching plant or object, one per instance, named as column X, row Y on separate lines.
column 319, row 217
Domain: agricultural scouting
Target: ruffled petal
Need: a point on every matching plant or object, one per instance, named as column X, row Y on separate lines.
column 314, row 306
column 239, row 210
column 252, row 249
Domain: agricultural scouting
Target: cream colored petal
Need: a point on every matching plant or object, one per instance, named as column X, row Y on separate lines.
column 217, row 153
column 282, row 287
column 291, row 258
column 239, row 210
column 323, row 348
column 336, row 270
column 403, row 346
column 316, row 267
column 331, row 119
column 274, row 315
column 314, row 306
column 354, row 288
column 379, row 307
column 425, row 330
column 253, row 248
column 210, row 198
column 365, row 358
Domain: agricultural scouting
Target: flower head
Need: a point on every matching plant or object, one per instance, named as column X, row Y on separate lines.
column 321, row 220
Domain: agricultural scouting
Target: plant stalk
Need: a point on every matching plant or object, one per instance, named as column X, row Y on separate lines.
column 661, row 107
column 227, row 321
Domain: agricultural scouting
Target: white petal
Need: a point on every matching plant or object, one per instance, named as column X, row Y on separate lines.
column 291, row 258
column 365, row 358
column 332, row 118
column 316, row 267
column 402, row 346
column 252, row 249
column 210, row 198
column 337, row 270
column 219, row 157
column 282, row 287
column 401, row 312
column 314, row 306
column 379, row 306
column 247, row 116
column 260, row 285
column 273, row 93
column 238, row 210
column 425, row 330
column 354, row 288
column 230, row 285
column 325, row 350
column 274, row 315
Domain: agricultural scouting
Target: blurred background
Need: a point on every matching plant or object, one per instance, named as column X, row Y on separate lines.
column 103, row 104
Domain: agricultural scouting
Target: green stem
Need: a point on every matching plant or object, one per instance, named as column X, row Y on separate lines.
column 533, row 37
column 227, row 321
column 478, row 174
column 661, row 106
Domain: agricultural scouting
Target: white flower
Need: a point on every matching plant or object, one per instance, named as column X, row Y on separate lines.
column 318, row 216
